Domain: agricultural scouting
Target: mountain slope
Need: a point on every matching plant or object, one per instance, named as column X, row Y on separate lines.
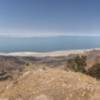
column 52, row 84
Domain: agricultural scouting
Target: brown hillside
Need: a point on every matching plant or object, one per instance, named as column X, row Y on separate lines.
column 52, row 84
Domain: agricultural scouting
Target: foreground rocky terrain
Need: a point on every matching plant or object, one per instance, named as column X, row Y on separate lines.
column 51, row 85
column 49, row 77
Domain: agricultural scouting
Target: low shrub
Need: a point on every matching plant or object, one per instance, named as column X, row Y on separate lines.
column 77, row 63
column 94, row 71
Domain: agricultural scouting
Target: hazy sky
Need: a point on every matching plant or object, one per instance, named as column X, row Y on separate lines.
column 49, row 17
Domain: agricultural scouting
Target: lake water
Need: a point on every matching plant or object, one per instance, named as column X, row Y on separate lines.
column 42, row 44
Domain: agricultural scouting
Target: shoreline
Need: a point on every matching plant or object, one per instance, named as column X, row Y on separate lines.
column 52, row 53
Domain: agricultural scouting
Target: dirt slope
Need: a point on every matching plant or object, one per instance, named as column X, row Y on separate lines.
column 52, row 84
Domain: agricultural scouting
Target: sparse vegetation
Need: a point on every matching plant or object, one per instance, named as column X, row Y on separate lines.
column 94, row 71
column 77, row 64
column 4, row 76
column 44, row 78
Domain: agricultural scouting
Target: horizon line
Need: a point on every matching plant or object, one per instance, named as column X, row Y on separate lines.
column 48, row 35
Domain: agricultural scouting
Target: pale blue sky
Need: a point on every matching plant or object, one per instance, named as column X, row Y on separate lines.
column 49, row 17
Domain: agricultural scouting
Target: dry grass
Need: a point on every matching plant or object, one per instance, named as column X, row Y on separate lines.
column 52, row 85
